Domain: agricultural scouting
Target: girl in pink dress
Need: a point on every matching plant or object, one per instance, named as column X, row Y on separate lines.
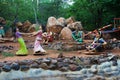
column 37, row 47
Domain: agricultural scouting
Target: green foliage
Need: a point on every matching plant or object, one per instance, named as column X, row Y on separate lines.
column 7, row 54
column 92, row 13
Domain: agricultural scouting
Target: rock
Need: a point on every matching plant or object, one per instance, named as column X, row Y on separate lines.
column 73, row 67
column 98, row 78
column 6, row 68
column 47, row 61
column 108, row 69
column 94, row 71
column 51, row 21
column 53, row 61
column 24, row 67
column 56, row 29
column 66, row 60
column 15, row 66
column 114, row 68
column 43, row 66
column 24, row 62
column 52, row 66
column 105, row 65
column 34, row 65
column 83, row 71
column 25, row 26
column 39, row 61
column 0, row 70
column 70, row 20
column 63, row 69
column 60, row 55
column 66, row 34
column 19, row 24
column 75, row 25
column 114, row 63
column 60, row 64
column 1, row 64
column 79, row 68
column 57, row 46
column 60, row 59
column 61, row 21
column 32, row 28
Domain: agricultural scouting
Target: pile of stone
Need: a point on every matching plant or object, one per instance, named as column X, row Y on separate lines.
column 100, row 67
column 62, row 28
column 5, row 48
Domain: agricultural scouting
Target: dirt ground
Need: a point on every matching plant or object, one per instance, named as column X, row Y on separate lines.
column 51, row 53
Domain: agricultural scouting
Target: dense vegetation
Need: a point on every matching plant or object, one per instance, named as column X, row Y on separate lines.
column 92, row 13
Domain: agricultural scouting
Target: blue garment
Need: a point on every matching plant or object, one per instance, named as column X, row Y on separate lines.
column 77, row 36
column 2, row 33
column 99, row 40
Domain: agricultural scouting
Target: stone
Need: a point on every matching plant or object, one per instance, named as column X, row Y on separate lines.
column 52, row 67
column 24, row 67
column 34, row 65
column 1, row 64
column 98, row 78
column 43, row 66
column 63, row 69
column 114, row 68
column 66, row 34
column 75, row 25
column 61, row 21
column 6, row 68
column 53, row 61
column 32, row 28
column 79, row 68
column 47, row 61
column 108, row 69
column 15, row 66
column 73, row 67
column 51, row 21
column 60, row 55
column 39, row 61
column 23, row 62
column 60, row 59
column 70, row 20
column 18, row 24
column 60, row 64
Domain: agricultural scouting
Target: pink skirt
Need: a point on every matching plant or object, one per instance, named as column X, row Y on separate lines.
column 37, row 46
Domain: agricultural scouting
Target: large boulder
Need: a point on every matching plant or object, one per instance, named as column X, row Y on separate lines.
column 26, row 25
column 75, row 25
column 61, row 21
column 19, row 24
column 66, row 34
column 32, row 28
column 56, row 29
column 70, row 20
column 51, row 21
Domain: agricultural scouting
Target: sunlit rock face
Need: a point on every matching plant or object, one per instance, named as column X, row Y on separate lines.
column 66, row 34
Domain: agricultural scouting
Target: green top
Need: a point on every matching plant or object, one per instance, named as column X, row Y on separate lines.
column 77, row 36
column 2, row 32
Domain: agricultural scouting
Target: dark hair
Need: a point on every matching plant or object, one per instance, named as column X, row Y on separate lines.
column 99, row 32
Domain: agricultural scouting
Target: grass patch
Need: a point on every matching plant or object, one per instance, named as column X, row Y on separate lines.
column 7, row 54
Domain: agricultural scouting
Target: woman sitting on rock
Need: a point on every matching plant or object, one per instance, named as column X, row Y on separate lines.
column 77, row 35
column 98, row 43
